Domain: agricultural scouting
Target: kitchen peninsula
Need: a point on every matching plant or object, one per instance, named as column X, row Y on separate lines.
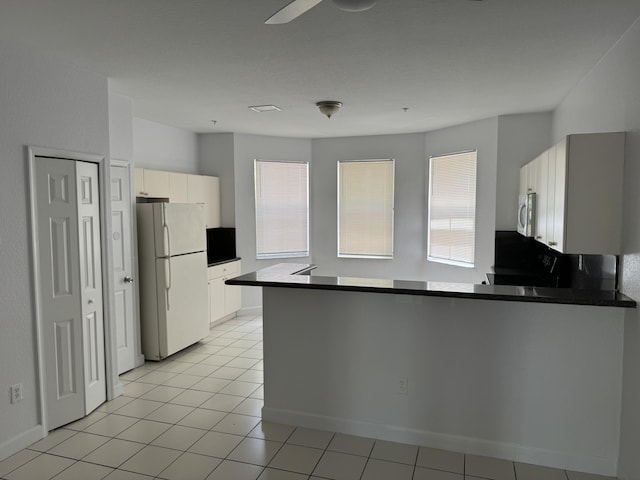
column 527, row 374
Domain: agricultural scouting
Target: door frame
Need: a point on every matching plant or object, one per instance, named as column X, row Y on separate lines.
column 114, row 387
column 134, row 250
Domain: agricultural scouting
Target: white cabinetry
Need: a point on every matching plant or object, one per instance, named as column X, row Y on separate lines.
column 211, row 186
column 178, row 190
column 224, row 300
column 579, row 193
column 528, row 178
column 195, row 189
column 542, row 196
column 152, row 183
column 206, row 189
column 181, row 188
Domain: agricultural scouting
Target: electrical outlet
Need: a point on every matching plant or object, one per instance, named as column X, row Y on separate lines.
column 16, row 392
column 403, row 386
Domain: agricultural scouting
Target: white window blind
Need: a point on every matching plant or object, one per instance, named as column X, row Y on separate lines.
column 282, row 209
column 365, row 208
column 452, row 209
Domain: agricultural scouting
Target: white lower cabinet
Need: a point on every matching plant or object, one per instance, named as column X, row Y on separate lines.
column 224, row 300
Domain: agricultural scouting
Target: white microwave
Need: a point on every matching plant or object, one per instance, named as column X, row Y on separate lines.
column 527, row 215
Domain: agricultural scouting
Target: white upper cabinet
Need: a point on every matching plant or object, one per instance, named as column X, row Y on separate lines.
column 181, row 188
column 195, row 188
column 558, row 200
column 594, row 177
column 211, row 186
column 579, row 193
column 542, row 197
column 152, row 183
column 178, row 192
column 528, row 178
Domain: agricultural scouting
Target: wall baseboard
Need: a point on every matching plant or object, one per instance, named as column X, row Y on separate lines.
column 473, row 446
column 23, row 440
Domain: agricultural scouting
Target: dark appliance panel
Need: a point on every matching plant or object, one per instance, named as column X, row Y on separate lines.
column 221, row 244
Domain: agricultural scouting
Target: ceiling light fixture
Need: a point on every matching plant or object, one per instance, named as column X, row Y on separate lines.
column 329, row 107
column 265, row 108
column 354, row 5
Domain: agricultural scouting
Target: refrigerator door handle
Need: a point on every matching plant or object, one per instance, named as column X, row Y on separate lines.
column 167, row 276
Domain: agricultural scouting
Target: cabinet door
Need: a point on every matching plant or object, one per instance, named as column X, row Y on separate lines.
column 542, row 203
column 211, row 186
column 178, row 187
column 233, row 296
column 195, row 190
column 139, row 182
column 232, row 299
column 559, row 153
column 532, row 176
column 217, row 292
column 156, row 183
column 551, row 195
column 210, row 302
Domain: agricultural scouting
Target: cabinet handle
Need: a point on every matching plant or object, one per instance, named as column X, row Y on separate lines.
column 553, row 244
column 538, row 237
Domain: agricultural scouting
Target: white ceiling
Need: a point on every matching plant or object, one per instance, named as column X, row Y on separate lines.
column 187, row 62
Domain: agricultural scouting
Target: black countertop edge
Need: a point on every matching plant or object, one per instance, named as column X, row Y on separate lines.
column 226, row 260
column 289, row 275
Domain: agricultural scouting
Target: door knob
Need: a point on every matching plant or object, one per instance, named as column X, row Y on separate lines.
column 128, row 280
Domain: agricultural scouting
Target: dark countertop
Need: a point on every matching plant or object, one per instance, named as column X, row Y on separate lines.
column 297, row 275
column 226, row 260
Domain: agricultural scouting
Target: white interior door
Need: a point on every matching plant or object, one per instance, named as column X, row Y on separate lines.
column 91, row 286
column 123, row 268
column 64, row 251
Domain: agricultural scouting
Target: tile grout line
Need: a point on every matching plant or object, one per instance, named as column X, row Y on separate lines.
column 107, row 414
column 187, row 451
column 213, row 335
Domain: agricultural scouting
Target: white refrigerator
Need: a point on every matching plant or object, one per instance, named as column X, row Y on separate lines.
column 172, row 260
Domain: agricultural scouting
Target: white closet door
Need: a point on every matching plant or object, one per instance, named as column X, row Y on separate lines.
column 123, row 268
column 91, row 284
column 60, row 312
column 62, row 287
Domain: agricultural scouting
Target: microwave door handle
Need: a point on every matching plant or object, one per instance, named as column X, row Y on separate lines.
column 167, row 276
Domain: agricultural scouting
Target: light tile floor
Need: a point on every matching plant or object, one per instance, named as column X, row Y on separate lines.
column 196, row 416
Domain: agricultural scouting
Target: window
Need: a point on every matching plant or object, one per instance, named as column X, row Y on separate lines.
column 452, row 209
column 282, row 209
column 365, row 208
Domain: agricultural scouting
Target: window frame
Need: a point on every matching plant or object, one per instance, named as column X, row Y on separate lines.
column 392, row 238
column 266, row 256
column 448, row 261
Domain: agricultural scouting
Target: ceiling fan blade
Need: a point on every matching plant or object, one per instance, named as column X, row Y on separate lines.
column 291, row 11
